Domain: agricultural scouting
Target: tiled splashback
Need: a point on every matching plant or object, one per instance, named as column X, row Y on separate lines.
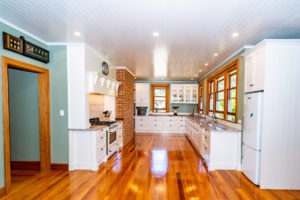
column 96, row 106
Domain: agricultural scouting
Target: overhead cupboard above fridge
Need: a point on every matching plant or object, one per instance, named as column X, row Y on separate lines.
column 270, row 155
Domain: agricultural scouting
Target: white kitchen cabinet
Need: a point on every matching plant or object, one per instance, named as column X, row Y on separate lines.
column 184, row 93
column 220, row 149
column 142, row 91
column 119, row 135
column 87, row 149
column 160, row 124
column 255, row 69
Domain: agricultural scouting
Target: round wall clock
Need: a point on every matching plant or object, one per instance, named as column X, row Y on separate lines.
column 105, row 68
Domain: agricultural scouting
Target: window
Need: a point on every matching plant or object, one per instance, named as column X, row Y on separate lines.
column 211, row 97
column 201, row 96
column 222, row 93
column 160, row 98
column 231, row 96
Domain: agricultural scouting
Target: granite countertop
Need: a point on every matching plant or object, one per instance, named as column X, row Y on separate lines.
column 92, row 128
column 169, row 115
column 219, row 127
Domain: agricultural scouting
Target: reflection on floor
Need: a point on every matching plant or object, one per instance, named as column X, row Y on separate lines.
column 157, row 167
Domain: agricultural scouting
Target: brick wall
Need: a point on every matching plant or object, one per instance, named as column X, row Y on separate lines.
column 125, row 103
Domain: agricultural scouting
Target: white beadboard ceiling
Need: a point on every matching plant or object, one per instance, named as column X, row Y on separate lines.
column 190, row 30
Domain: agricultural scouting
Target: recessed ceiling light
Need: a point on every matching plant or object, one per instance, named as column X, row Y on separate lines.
column 155, row 34
column 206, row 64
column 200, row 70
column 235, row 34
column 76, row 33
column 216, row 54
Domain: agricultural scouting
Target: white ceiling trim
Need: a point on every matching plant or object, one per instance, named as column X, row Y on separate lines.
column 226, row 60
column 124, row 67
column 22, row 30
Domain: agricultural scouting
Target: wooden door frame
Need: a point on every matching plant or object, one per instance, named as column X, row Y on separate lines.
column 44, row 113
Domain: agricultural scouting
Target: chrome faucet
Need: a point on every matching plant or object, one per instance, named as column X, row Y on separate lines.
column 214, row 119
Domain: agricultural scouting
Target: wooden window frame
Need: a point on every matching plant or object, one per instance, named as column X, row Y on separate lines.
column 167, row 96
column 200, row 97
column 219, row 91
column 213, row 78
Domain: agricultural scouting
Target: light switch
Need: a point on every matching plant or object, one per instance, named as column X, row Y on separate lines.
column 61, row 113
column 239, row 121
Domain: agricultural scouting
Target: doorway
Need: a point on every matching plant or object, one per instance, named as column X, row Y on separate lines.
column 43, row 112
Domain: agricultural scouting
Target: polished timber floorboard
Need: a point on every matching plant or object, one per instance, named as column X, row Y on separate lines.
column 157, row 167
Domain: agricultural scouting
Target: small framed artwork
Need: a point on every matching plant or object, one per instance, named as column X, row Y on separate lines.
column 12, row 43
column 33, row 51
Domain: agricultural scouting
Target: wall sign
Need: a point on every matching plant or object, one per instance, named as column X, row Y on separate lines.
column 33, row 51
column 21, row 46
column 12, row 43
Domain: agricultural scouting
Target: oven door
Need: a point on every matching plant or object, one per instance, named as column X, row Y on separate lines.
column 112, row 137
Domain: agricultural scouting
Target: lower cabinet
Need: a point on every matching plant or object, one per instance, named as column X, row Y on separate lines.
column 119, row 135
column 87, row 149
column 221, row 150
column 160, row 124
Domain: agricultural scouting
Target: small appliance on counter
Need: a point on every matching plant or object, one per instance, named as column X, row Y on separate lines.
column 141, row 111
column 175, row 110
column 106, row 115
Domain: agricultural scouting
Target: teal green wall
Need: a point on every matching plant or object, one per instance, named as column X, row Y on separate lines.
column 240, row 108
column 24, row 115
column 58, row 97
column 59, row 101
column 183, row 108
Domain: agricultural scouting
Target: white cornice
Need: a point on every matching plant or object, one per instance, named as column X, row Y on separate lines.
column 123, row 67
column 226, row 60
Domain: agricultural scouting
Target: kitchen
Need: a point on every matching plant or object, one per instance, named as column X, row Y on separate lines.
column 150, row 100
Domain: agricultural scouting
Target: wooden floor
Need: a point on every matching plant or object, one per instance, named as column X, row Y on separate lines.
column 158, row 167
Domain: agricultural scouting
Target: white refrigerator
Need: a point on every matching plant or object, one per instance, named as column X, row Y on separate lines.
column 251, row 151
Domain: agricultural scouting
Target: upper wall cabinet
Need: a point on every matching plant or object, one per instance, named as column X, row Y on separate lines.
column 254, row 69
column 184, row 93
column 142, row 91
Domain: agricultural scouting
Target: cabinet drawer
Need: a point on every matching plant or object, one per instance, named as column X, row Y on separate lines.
column 206, row 139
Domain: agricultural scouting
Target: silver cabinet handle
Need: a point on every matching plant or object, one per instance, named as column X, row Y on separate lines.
column 101, row 149
column 251, row 85
column 101, row 137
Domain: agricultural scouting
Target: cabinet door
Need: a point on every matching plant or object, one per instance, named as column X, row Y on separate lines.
column 195, row 93
column 259, row 70
column 174, row 94
column 142, row 94
column 249, row 68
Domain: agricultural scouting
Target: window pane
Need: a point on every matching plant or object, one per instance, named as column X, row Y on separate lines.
column 220, row 105
column 161, row 111
column 220, row 96
column 233, row 81
column 211, row 102
column 231, row 118
column 220, row 78
column 159, row 92
column 232, row 94
column 159, row 98
column 220, row 85
column 219, row 115
column 159, row 104
column 211, row 87
column 231, row 105
column 233, row 71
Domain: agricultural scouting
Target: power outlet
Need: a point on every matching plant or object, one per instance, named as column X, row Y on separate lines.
column 61, row 113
